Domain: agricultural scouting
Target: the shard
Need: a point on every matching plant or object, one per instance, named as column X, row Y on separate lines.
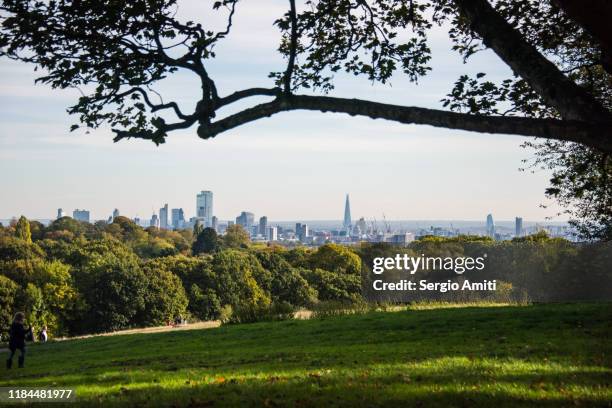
column 347, row 214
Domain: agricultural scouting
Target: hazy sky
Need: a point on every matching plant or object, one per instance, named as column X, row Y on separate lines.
column 296, row 165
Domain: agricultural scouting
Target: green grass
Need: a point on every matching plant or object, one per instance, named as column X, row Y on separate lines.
column 544, row 355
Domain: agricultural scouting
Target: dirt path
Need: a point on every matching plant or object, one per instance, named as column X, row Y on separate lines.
column 302, row 314
column 159, row 329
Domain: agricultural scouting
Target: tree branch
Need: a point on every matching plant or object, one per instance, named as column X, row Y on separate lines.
column 292, row 48
column 158, row 135
column 598, row 137
column 222, row 34
column 246, row 93
column 558, row 91
column 154, row 107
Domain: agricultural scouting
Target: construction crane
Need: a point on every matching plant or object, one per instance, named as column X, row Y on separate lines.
column 387, row 225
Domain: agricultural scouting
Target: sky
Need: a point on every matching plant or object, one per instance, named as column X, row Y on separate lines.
column 294, row 166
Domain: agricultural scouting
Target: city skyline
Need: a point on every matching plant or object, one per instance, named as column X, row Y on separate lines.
column 170, row 216
column 349, row 232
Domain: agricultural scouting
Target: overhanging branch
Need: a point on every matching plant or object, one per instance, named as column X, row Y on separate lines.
column 597, row 136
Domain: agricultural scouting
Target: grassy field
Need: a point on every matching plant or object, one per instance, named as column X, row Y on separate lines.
column 544, row 355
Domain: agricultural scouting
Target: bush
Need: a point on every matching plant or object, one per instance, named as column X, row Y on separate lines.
column 249, row 313
column 333, row 308
column 225, row 314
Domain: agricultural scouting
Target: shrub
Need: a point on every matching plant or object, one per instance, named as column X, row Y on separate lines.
column 225, row 314
column 333, row 308
column 249, row 313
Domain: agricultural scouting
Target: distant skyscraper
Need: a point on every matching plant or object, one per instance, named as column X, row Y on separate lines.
column 115, row 213
column 347, row 214
column 215, row 223
column 490, row 226
column 301, row 231
column 163, row 217
column 60, row 213
column 272, row 234
column 204, row 207
column 263, row 225
column 518, row 226
column 178, row 218
column 246, row 219
column 81, row 215
column 154, row 221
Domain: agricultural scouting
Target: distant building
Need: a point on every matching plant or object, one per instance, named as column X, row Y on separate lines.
column 215, row 223
column 246, row 220
column 272, row 234
column 60, row 213
column 347, row 215
column 301, row 231
column 115, row 213
column 263, row 225
column 490, row 226
column 402, row 239
column 204, row 207
column 154, row 221
column 163, row 217
column 178, row 218
column 81, row 215
column 360, row 227
column 518, row 226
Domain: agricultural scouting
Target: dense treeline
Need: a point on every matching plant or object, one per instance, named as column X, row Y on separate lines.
column 79, row 278
column 534, row 268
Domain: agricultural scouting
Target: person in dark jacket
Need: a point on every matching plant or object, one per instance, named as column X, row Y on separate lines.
column 17, row 338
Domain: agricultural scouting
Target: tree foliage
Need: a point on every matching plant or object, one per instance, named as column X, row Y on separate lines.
column 8, row 293
column 581, row 175
column 206, row 242
column 236, row 237
column 22, row 230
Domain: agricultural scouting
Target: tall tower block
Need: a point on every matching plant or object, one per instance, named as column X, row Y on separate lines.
column 347, row 214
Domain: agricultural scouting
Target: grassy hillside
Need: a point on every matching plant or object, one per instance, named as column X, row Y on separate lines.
column 549, row 355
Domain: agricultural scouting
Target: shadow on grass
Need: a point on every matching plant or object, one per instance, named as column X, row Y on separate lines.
column 322, row 388
column 556, row 355
column 445, row 382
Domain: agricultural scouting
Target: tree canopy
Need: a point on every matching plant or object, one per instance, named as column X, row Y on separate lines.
column 123, row 49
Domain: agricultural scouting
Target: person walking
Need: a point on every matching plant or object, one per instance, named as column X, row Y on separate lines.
column 43, row 336
column 17, row 339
